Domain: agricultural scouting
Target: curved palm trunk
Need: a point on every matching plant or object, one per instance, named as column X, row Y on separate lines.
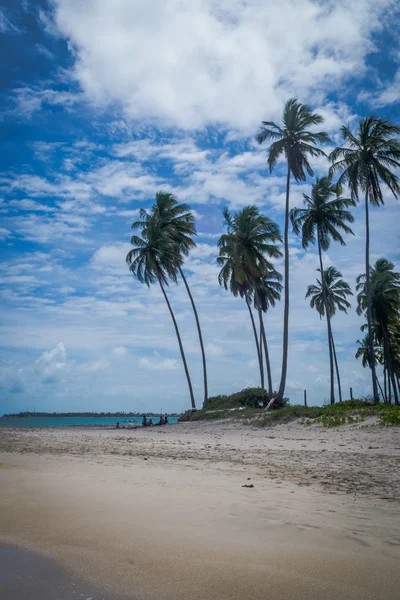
column 196, row 316
column 384, row 382
column 261, row 354
column 180, row 345
column 257, row 346
column 328, row 321
column 369, row 311
column 395, row 393
column 337, row 368
column 267, row 361
column 282, row 384
column 386, row 369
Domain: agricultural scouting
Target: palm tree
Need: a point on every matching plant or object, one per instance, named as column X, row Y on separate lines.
column 177, row 221
column 245, row 250
column 326, row 297
column 385, row 307
column 155, row 258
column 364, row 164
column 294, row 140
column 363, row 352
column 325, row 213
column 268, row 294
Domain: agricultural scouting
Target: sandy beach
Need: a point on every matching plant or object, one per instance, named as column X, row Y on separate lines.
column 163, row 512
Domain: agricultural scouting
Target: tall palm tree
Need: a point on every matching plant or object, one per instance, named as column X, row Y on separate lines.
column 154, row 258
column 365, row 162
column 385, row 309
column 324, row 215
column 268, row 293
column 293, row 140
column 177, row 221
column 245, row 252
column 327, row 296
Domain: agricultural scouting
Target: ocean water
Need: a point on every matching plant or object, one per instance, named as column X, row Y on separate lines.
column 72, row 421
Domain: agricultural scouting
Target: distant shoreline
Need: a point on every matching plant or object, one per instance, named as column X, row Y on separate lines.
column 98, row 415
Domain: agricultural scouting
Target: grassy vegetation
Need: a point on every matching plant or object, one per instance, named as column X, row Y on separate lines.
column 335, row 415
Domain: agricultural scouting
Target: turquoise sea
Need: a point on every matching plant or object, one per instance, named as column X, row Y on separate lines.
column 72, row 421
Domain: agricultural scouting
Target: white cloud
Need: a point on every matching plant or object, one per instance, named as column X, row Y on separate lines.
column 95, row 366
column 159, row 364
column 27, row 100
column 4, row 233
column 389, row 95
column 5, row 24
column 228, row 62
column 50, row 363
column 120, row 351
column 111, row 258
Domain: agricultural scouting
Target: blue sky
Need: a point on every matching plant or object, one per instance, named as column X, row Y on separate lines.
column 104, row 104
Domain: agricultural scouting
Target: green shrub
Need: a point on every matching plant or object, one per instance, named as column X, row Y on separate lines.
column 391, row 416
column 252, row 397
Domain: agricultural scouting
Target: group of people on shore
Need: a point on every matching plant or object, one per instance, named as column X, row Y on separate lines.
column 149, row 422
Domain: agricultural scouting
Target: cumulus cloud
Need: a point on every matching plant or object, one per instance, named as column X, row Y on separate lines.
column 191, row 63
column 51, row 363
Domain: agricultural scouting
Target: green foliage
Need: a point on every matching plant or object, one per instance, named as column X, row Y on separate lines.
column 391, row 416
column 252, row 397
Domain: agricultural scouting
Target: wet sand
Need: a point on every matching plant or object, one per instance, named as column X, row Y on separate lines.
column 25, row 574
column 148, row 515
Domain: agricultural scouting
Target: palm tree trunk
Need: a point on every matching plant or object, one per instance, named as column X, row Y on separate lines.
column 380, row 387
column 386, row 350
column 386, row 366
column 261, row 353
column 395, row 394
column 369, row 311
column 384, row 381
column 389, row 390
column 337, row 368
column 180, row 345
column 398, row 388
column 196, row 316
column 282, row 384
column 256, row 339
column 267, row 361
column 328, row 321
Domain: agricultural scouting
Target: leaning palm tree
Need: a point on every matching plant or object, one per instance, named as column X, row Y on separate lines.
column 268, row 293
column 177, row 221
column 320, row 222
column 153, row 259
column 364, row 163
column 385, row 308
column 293, row 140
column 327, row 296
column 245, row 252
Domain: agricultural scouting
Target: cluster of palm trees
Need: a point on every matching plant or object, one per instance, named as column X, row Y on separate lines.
column 249, row 247
column 385, row 311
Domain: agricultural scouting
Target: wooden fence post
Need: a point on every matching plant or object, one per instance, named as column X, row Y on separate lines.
column 351, row 393
column 305, row 398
